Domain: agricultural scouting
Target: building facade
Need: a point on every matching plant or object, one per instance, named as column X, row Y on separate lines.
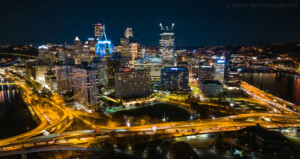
column 205, row 71
column 131, row 83
column 211, row 88
column 174, row 79
column 85, row 87
column 167, row 44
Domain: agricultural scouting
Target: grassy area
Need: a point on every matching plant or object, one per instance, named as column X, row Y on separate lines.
column 295, row 141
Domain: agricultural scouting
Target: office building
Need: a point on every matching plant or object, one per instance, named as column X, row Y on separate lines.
column 205, row 71
column 85, row 57
column 167, row 44
column 85, row 87
column 131, row 83
column 233, row 64
column 61, row 55
column 128, row 33
column 39, row 71
column 50, row 81
column 77, row 51
column 175, row 78
column 125, row 49
column 63, row 74
column 104, row 47
column 211, row 88
column 98, row 30
column 219, row 70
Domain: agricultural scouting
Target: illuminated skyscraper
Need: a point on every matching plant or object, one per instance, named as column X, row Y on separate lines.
column 167, row 44
column 85, row 57
column 98, row 30
column 77, row 51
column 219, row 70
column 104, row 47
column 128, row 33
column 131, row 83
column 85, row 87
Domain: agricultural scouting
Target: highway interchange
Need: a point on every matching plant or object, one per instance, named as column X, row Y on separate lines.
column 58, row 123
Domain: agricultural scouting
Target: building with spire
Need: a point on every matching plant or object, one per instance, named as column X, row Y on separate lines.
column 77, row 51
column 103, row 47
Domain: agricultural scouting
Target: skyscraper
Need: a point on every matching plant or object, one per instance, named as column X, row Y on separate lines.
column 77, row 51
column 104, row 47
column 98, row 30
column 128, row 33
column 85, row 57
column 206, row 71
column 167, row 44
column 85, row 87
column 219, row 70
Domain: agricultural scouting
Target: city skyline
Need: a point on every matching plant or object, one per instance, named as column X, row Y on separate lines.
column 159, row 79
column 197, row 23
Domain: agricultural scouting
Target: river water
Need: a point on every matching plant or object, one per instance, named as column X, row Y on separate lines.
column 15, row 118
column 284, row 86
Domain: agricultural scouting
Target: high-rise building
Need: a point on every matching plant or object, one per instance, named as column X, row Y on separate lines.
column 63, row 74
column 205, row 71
column 85, row 57
column 39, row 71
column 98, row 30
column 85, row 87
column 77, row 51
column 167, row 44
column 128, row 33
column 51, row 81
column 61, row 55
column 174, row 78
column 91, row 43
column 125, row 50
column 211, row 88
column 104, row 47
column 219, row 70
column 233, row 63
column 131, row 83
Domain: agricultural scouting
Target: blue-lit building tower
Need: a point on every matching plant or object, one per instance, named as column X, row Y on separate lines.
column 103, row 47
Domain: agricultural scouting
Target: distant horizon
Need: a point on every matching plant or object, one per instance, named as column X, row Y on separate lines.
column 291, row 42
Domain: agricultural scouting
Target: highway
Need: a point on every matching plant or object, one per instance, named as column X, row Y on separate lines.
column 274, row 101
column 285, row 118
column 45, row 124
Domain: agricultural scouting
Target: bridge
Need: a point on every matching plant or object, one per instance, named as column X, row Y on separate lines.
column 263, row 96
column 6, row 84
column 27, row 141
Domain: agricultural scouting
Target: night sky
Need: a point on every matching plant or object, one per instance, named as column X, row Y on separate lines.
column 197, row 22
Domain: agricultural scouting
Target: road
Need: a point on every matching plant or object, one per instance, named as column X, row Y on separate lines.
column 285, row 118
column 274, row 101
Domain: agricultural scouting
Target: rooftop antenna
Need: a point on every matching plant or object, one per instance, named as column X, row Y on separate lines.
column 104, row 34
column 161, row 26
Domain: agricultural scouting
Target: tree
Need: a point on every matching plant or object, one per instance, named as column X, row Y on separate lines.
column 144, row 120
column 182, row 150
column 219, row 139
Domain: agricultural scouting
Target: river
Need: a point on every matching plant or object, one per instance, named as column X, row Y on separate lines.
column 15, row 118
column 284, row 86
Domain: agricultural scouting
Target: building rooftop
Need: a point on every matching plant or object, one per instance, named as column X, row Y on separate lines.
column 211, row 82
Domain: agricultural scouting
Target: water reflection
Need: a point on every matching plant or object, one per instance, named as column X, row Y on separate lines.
column 281, row 85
